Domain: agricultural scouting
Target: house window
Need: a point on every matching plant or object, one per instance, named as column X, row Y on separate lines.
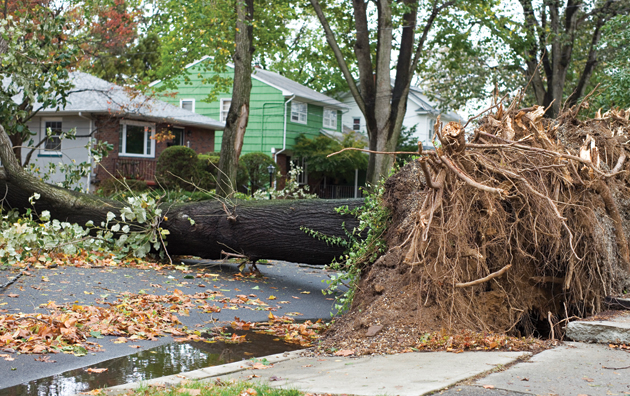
column 330, row 118
column 136, row 139
column 187, row 104
column 178, row 139
column 298, row 112
column 431, row 127
column 225, row 108
column 356, row 124
column 53, row 141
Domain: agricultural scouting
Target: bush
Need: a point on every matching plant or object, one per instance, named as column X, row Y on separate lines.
column 112, row 186
column 180, row 167
column 257, row 176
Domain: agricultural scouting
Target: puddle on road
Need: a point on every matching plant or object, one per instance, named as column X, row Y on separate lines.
column 152, row 363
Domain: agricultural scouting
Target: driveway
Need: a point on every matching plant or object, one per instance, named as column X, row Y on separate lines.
column 286, row 288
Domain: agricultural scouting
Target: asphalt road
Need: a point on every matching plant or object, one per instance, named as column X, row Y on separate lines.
column 298, row 289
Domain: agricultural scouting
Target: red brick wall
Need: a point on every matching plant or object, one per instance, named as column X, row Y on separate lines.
column 108, row 129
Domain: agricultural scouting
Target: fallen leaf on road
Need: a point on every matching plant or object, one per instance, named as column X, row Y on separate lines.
column 525, row 379
column 96, row 370
column 253, row 376
column 588, row 379
column 274, row 378
column 272, row 297
column 488, row 386
column 13, row 295
column 45, row 359
column 344, row 352
column 294, row 314
column 135, row 346
column 259, row 366
column 306, row 292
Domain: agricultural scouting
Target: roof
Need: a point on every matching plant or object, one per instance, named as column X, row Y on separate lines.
column 288, row 87
column 424, row 104
column 97, row 96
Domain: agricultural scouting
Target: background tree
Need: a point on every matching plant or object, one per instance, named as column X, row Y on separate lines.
column 35, row 53
column 377, row 34
column 614, row 76
column 224, row 31
column 554, row 48
column 339, row 167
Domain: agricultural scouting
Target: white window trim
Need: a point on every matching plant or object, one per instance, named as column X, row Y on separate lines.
column 43, row 151
column 124, row 123
column 221, row 109
column 295, row 102
column 333, row 127
column 187, row 100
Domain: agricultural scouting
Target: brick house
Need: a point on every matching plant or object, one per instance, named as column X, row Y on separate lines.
column 100, row 110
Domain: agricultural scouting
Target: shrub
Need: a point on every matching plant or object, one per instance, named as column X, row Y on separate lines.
column 180, row 167
column 112, row 186
column 255, row 164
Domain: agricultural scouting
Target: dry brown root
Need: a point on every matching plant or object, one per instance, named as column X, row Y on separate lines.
column 514, row 231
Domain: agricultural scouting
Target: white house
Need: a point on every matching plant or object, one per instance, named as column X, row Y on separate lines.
column 421, row 113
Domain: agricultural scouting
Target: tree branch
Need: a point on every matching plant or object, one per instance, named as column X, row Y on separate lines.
column 330, row 37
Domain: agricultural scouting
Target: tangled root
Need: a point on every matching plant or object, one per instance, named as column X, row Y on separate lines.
column 520, row 228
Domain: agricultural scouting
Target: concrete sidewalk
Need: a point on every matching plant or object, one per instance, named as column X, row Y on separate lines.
column 571, row 369
column 402, row 374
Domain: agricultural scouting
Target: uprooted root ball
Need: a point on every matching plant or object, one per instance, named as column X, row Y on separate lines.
column 515, row 231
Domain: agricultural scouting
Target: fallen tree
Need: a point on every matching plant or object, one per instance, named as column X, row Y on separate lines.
column 517, row 229
column 254, row 229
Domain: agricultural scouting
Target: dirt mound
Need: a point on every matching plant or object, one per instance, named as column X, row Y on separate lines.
column 515, row 231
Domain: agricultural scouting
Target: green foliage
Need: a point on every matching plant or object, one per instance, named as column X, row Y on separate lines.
column 340, row 166
column 615, row 76
column 111, row 186
column 255, row 171
column 133, row 232
column 180, row 167
column 291, row 190
column 33, row 66
column 406, row 142
column 140, row 62
column 364, row 245
column 207, row 29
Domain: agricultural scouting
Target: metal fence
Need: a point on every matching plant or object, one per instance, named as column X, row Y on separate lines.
column 337, row 192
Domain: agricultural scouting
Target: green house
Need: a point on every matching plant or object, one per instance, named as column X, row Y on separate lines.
column 280, row 110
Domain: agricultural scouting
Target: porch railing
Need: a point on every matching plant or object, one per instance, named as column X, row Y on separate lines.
column 135, row 168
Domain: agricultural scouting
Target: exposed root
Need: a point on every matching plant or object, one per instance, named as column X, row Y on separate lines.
column 517, row 230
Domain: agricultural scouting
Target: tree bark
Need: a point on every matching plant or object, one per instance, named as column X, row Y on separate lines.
column 237, row 117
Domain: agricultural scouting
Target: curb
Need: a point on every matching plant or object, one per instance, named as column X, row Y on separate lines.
column 200, row 374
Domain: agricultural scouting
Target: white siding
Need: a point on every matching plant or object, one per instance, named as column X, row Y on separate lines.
column 70, row 149
column 422, row 120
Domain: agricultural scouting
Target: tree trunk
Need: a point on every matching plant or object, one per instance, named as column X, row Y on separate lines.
column 256, row 229
column 237, row 117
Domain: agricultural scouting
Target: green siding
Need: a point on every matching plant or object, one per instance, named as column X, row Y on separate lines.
column 265, row 127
